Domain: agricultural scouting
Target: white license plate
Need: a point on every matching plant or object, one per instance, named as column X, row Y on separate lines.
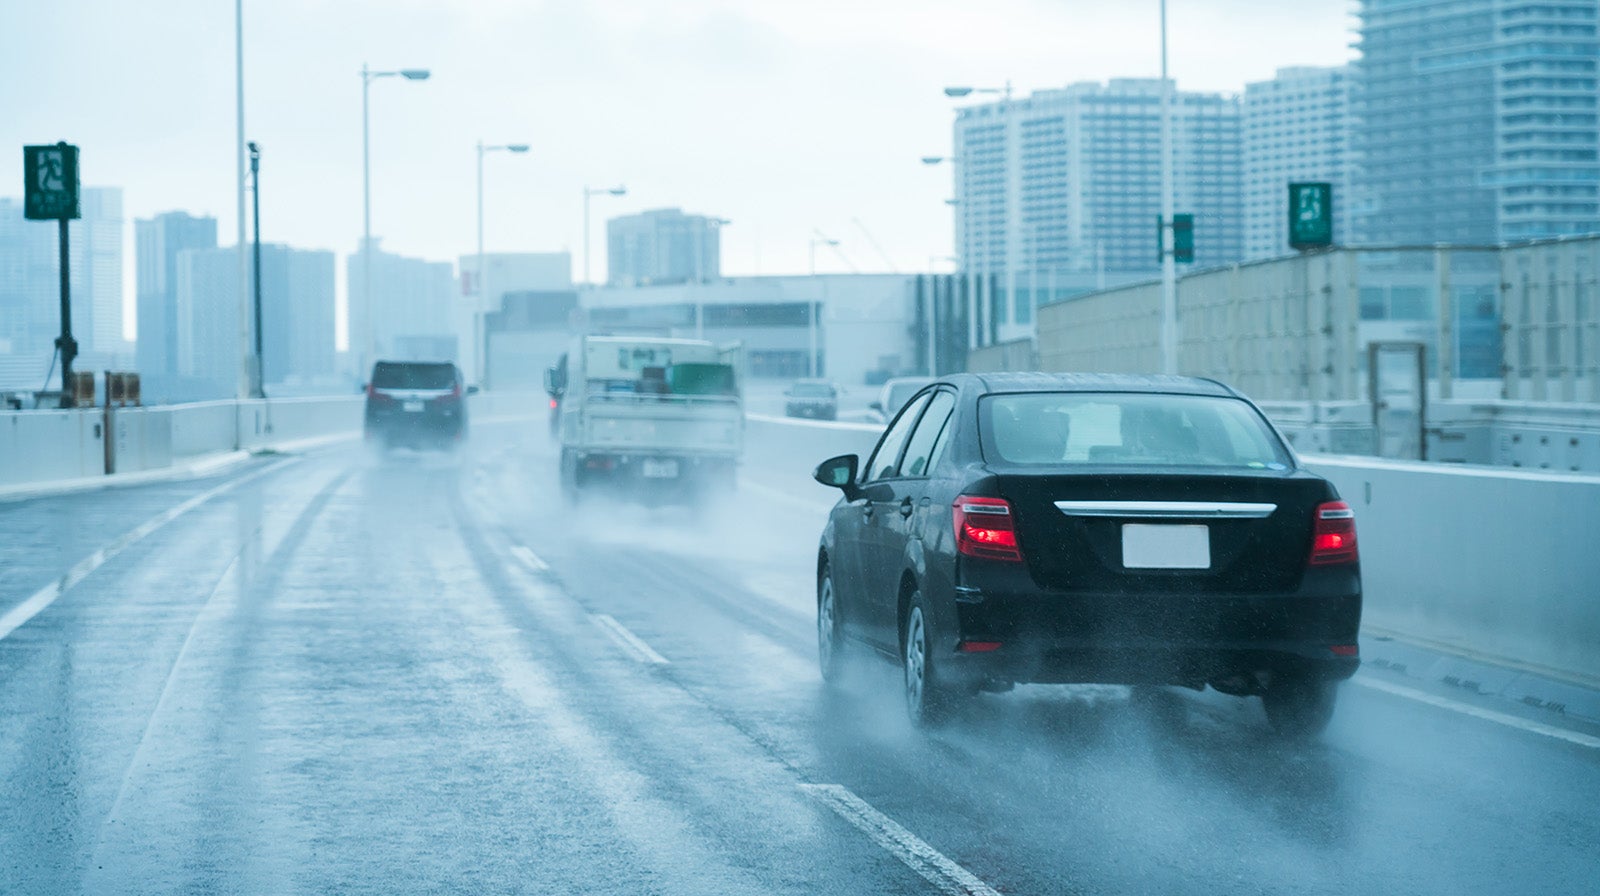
column 1165, row 547
column 659, row 469
column 411, row 407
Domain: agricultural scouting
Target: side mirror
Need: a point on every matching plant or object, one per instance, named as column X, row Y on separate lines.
column 838, row 472
column 550, row 386
column 877, row 406
column 362, row 387
column 472, row 390
column 789, row 391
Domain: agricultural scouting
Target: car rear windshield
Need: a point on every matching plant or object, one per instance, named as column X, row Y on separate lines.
column 398, row 375
column 1132, row 429
column 812, row 390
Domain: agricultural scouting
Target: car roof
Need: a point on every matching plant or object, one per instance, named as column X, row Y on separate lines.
column 1102, row 382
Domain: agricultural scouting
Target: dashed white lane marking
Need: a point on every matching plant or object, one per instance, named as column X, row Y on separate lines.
column 947, row 876
column 529, row 558
column 19, row 615
column 1488, row 715
column 628, row 640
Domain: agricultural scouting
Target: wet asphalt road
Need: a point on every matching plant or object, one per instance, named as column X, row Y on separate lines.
column 424, row 674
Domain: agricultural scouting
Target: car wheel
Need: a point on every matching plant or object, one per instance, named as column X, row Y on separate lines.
column 569, row 476
column 830, row 631
column 1300, row 706
column 927, row 700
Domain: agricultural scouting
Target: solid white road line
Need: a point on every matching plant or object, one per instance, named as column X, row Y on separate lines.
column 529, row 558
column 1488, row 715
column 947, row 876
column 44, row 597
column 628, row 640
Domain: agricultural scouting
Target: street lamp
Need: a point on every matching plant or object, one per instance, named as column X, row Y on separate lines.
column 260, row 384
column 617, row 190
column 699, row 271
column 1013, row 200
column 1169, row 271
column 817, row 239
column 481, row 287
column 367, row 77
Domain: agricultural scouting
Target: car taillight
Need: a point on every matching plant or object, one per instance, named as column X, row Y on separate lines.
column 1333, row 534
column 985, row 527
column 554, row 404
column 373, row 395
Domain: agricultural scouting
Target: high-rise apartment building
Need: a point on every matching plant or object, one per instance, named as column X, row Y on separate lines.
column 1066, row 183
column 663, row 246
column 297, row 315
column 1296, row 128
column 1478, row 120
column 414, row 302
column 157, row 242
column 30, row 281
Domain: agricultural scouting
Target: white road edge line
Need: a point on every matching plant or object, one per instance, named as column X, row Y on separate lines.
column 19, row 615
column 1487, row 715
column 950, row 878
column 527, row 556
column 629, row 641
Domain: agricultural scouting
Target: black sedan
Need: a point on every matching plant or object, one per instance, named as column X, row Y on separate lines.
column 1143, row 530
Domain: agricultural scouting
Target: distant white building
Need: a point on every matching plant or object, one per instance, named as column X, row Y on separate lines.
column 663, row 246
column 505, row 273
column 413, row 299
column 1061, row 190
column 1296, row 129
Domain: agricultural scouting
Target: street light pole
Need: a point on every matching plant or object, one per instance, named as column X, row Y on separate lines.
column 367, row 77
column 618, row 190
column 243, row 311
column 817, row 239
column 1169, row 271
column 481, row 287
column 260, row 384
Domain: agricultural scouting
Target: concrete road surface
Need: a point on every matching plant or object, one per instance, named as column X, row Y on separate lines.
column 422, row 673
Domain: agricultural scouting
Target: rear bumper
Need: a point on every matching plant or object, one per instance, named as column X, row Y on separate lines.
column 1238, row 642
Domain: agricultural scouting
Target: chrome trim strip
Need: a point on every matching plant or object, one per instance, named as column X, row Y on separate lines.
column 1224, row 510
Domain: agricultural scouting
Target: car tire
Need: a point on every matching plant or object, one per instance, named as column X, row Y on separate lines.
column 1300, row 707
column 569, row 476
column 830, row 629
column 928, row 700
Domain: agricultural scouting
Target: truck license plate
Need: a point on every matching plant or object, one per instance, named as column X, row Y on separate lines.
column 1165, row 547
column 654, row 468
column 412, row 407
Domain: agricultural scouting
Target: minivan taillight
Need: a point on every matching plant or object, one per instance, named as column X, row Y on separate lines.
column 1333, row 534
column 986, row 527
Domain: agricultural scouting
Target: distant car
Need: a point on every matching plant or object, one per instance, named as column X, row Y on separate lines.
column 894, row 395
column 1091, row 528
column 416, row 404
column 817, row 399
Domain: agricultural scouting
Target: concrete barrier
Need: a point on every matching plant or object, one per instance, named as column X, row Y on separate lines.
column 1500, row 564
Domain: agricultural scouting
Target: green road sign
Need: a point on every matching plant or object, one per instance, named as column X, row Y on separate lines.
column 1310, row 215
column 50, row 189
column 1183, row 238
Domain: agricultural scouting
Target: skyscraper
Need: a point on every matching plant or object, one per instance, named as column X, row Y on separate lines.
column 30, row 281
column 663, row 246
column 297, row 315
column 1478, row 120
column 1296, row 128
column 1084, row 165
column 157, row 242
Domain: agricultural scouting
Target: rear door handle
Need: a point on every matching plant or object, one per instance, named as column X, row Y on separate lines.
column 866, row 510
column 905, row 507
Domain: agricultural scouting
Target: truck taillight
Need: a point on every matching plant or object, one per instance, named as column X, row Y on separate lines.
column 1333, row 535
column 986, row 528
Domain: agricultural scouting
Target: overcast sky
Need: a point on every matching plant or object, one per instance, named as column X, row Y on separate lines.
column 780, row 116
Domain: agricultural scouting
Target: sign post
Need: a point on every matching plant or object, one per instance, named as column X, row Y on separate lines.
column 1310, row 216
column 50, row 191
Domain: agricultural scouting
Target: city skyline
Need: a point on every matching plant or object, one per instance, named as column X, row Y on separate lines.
column 753, row 114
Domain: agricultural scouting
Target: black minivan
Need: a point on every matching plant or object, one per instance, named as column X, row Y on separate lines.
column 417, row 404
